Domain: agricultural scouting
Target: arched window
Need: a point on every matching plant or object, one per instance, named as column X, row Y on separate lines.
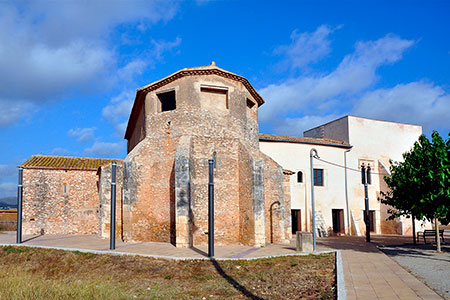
column 299, row 176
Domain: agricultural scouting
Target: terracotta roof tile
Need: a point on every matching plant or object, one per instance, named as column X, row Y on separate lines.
column 304, row 140
column 66, row 163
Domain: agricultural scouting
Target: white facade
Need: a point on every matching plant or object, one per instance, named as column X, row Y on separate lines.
column 366, row 141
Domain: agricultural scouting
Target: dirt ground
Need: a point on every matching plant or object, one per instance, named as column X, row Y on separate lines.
column 33, row 273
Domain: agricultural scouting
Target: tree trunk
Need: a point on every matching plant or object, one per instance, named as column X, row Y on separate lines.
column 414, row 228
column 438, row 239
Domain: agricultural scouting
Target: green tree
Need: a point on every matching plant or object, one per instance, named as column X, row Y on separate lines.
column 420, row 185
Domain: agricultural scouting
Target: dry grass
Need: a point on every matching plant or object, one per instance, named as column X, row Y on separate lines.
column 32, row 273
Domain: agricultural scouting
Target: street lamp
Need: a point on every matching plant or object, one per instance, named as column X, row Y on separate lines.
column 313, row 154
column 366, row 179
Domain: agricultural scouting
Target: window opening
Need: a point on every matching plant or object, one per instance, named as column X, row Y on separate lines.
column 318, row 177
column 299, row 176
column 250, row 103
column 167, row 101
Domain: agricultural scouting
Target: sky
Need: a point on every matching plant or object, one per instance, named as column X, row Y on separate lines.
column 69, row 69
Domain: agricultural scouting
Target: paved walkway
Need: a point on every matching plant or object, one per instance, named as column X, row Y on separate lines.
column 369, row 274
column 93, row 242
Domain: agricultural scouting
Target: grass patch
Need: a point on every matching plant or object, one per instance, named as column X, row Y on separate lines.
column 33, row 273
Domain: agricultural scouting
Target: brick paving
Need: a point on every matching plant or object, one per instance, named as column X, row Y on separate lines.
column 368, row 273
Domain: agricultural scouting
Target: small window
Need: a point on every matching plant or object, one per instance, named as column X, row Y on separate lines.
column 299, row 176
column 318, row 177
column 250, row 103
column 167, row 101
column 65, row 188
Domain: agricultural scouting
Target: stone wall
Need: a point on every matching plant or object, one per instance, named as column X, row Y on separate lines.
column 277, row 214
column 149, row 192
column 49, row 209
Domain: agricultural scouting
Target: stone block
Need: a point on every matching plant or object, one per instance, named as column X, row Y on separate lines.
column 304, row 242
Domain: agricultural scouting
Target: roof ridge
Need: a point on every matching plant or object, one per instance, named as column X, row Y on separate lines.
column 286, row 138
column 62, row 156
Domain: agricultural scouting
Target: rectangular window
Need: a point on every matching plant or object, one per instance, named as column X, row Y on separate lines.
column 318, row 177
column 167, row 101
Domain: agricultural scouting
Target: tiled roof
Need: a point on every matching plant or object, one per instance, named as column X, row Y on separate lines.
column 302, row 140
column 66, row 163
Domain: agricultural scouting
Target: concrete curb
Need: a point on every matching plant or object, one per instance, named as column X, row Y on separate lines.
column 340, row 281
column 164, row 256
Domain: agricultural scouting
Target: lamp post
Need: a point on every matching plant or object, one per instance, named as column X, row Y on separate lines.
column 366, row 179
column 211, row 163
column 313, row 154
column 19, row 207
column 346, row 192
column 112, row 233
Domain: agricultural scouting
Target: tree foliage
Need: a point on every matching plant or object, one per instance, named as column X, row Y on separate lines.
column 420, row 185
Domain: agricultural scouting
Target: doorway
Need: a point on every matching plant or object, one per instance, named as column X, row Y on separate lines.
column 338, row 220
column 296, row 218
column 372, row 220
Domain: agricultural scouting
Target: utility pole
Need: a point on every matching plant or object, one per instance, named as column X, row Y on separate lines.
column 313, row 154
column 366, row 180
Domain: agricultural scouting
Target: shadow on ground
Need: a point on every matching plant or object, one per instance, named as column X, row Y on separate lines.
column 234, row 283
column 355, row 243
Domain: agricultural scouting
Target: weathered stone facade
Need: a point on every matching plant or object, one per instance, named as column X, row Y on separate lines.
column 166, row 169
column 50, row 208
column 177, row 124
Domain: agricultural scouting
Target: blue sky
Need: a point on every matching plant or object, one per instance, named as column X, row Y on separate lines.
column 69, row 70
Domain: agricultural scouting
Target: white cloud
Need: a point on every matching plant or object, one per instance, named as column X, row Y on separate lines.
column 7, row 170
column 59, row 151
column 305, row 48
column 118, row 110
column 7, row 189
column 296, row 126
column 420, row 103
column 82, row 134
column 160, row 46
column 309, row 95
column 11, row 111
column 106, row 149
column 48, row 49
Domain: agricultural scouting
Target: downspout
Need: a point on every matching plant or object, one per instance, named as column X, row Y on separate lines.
column 346, row 192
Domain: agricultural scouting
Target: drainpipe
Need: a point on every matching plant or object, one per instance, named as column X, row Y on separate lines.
column 346, row 192
column 313, row 154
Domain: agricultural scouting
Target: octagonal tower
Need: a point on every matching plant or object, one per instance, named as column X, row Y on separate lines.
column 176, row 125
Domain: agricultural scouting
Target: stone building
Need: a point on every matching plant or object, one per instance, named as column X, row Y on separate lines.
column 61, row 195
column 176, row 125
column 262, row 182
